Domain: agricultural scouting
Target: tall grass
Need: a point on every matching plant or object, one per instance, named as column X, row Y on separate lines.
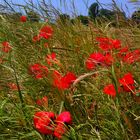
column 95, row 114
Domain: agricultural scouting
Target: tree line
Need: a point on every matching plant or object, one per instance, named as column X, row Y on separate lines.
column 95, row 12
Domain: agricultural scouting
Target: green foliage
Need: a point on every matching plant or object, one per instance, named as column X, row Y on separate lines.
column 64, row 18
column 83, row 19
column 93, row 10
column 136, row 16
column 105, row 13
column 33, row 16
column 95, row 114
column 13, row 17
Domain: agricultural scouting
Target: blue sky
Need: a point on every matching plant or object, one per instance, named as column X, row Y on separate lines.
column 81, row 5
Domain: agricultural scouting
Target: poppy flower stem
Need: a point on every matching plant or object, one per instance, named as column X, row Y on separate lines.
column 19, row 91
column 96, row 117
column 20, row 95
column 18, row 87
column 114, row 79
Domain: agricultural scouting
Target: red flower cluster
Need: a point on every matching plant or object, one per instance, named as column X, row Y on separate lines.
column 99, row 59
column 38, row 70
column 6, row 47
column 46, row 123
column 63, row 82
column 36, row 38
column 45, row 32
column 23, row 19
column 63, row 119
column 107, row 44
column 106, row 59
column 51, row 58
column 42, row 101
column 110, row 90
column 12, row 86
column 93, row 60
column 127, row 83
column 43, row 122
column 122, row 52
column 131, row 57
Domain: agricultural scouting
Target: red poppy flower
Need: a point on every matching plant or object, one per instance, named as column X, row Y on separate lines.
column 43, row 122
column 23, row 18
column 68, row 79
column 104, row 43
column 57, row 79
column 64, row 117
column 129, row 58
column 127, row 82
column 42, row 101
column 63, row 82
column 38, row 70
column 136, row 53
column 5, row 43
column 116, row 43
column 123, row 51
column 36, row 38
column 128, row 88
column 60, row 130
column 46, row 32
column 108, row 58
column 12, row 86
column 6, row 47
column 107, row 44
column 51, row 58
column 97, row 58
column 127, row 79
column 94, row 59
column 89, row 64
column 110, row 90
column 62, row 120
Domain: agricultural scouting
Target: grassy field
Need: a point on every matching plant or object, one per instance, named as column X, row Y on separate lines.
column 69, row 81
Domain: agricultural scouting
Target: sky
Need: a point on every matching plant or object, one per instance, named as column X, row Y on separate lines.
column 81, row 6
